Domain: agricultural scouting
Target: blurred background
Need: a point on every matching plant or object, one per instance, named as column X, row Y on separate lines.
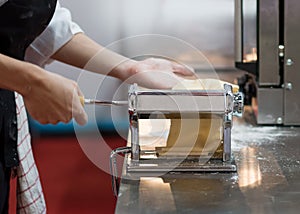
column 199, row 23
column 71, row 182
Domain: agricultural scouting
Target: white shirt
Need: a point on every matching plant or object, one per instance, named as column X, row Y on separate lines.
column 59, row 31
column 2, row 2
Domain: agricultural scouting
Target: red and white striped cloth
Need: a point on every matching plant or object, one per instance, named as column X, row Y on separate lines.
column 30, row 198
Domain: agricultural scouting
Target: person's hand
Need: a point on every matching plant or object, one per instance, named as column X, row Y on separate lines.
column 158, row 73
column 53, row 98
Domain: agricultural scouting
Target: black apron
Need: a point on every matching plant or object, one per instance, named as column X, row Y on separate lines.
column 21, row 21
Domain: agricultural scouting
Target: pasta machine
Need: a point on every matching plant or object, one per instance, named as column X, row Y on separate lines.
column 179, row 130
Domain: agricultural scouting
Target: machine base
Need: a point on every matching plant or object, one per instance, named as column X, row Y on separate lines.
column 155, row 165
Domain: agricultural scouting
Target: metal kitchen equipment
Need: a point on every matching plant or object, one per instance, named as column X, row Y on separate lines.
column 84, row 101
column 267, row 46
column 184, row 104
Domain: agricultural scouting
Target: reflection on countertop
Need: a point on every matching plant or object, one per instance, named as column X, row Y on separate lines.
column 267, row 179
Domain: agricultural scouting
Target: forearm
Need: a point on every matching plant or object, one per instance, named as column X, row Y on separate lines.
column 83, row 52
column 48, row 97
column 17, row 75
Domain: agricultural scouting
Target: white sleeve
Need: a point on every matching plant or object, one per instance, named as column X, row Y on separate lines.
column 59, row 31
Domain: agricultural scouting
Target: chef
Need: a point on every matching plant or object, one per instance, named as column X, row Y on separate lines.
column 32, row 33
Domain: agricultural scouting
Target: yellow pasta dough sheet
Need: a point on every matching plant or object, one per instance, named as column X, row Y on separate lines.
column 202, row 135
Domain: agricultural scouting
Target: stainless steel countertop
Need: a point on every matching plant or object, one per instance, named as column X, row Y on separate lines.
column 267, row 179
